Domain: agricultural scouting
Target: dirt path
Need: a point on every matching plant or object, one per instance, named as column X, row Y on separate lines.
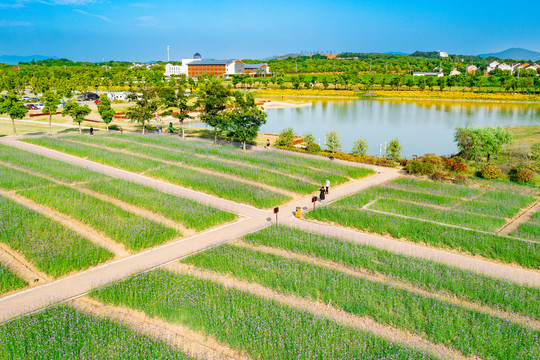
column 203, row 170
column 194, row 344
column 80, row 228
column 327, row 311
column 22, row 267
column 383, row 279
column 522, row 217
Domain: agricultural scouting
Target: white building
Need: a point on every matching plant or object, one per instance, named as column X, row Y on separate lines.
column 119, row 96
column 437, row 74
column 454, row 72
column 442, row 54
column 226, row 68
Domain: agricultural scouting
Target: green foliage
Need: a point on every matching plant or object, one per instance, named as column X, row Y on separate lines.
column 360, row 147
column 286, row 137
column 50, row 105
column 145, row 107
column 393, row 151
column 245, row 119
column 333, row 141
column 12, row 106
column 246, row 322
column 77, row 112
column 491, row 172
column 483, row 141
column 64, row 333
column 419, row 167
column 105, row 110
column 212, row 100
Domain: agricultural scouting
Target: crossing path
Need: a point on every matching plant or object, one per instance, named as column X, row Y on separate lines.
column 251, row 219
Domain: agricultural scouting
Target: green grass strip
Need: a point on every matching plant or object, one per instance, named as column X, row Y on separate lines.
column 47, row 166
column 471, row 221
column 426, row 274
column 262, row 329
column 189, row 213
column 498, row 203
column 438, row 321
column 315, row 169
column 63, row 333
column 12, row 179
column 220, row 186
column 9, row 281
column 135, row 232
column 211, row 184
column 490, row 246
column 436, row 188
column 528, row 230
column 190, row 159
column 102, row 156
column 52, row 248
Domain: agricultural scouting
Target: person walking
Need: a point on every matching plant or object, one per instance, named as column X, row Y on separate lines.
column 327, row 185
column 91, row 130
column 267, row 143
column 321, row 193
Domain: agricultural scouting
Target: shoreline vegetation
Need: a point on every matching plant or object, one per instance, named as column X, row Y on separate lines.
column 402, row 95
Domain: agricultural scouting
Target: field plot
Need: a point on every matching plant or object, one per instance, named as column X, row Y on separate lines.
column 64, row 333
column 260, row 328
column 220, row 170
column 464, row 218
column 52, row 248
column 436, row 320
column 9, row 281
column 530, row 229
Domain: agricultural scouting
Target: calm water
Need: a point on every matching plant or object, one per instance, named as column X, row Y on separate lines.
column 421, row 126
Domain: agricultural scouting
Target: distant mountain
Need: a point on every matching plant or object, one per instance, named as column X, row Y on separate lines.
column 515, row 54
column 15, row 59
column 397, row 53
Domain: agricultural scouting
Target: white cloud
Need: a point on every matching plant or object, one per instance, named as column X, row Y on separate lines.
column 14, row 4
column 104, row 18
column 151, row 21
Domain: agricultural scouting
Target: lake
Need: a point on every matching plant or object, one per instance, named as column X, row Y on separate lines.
column 421, row 126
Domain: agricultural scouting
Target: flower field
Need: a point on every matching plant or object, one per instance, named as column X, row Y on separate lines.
column 63, row 333
column 52, row 248
column 437, row 320
column 530, row 229
column 441, row 215
column 262, row 329
column 9, row 281
column 187, row 163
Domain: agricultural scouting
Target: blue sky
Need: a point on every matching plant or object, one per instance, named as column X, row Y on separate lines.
column 140, row 31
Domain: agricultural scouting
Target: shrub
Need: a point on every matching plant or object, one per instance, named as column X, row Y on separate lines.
column 419, row 167
column 460, row 167
column 458, row 159
column 491, row 172
column 459, row 179
column 309, row 140
column 403, row 162
column 450, row 164
column 394, row 150
column 333, row 141
column 313, row 148
column 286, row 138
column 525, row 176
column 438, row 175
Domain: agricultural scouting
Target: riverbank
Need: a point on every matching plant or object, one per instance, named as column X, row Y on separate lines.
column 402, row 95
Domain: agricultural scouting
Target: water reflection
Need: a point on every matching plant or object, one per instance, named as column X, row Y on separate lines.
column 421, row 126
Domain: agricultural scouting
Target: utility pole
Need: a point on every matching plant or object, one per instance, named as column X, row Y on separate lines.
column 370, row 65
column 168, row 59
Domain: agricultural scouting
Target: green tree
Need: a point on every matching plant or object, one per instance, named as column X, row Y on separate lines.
column 360, row 147
column 212, row 101
column 393, row 151
column 180, row 99
column 50, row 106
column 429, row 83
column 309, row 140
column 409, row 83
column 77, row 112
column 105, row 110
column 333, row 141
column 145, row 107
column 286, row 137
column 474, row 142
column 12, row 106
column 245, row 118
column 421, row 83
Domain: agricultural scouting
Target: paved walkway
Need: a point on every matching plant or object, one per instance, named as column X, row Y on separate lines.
column 252, row 220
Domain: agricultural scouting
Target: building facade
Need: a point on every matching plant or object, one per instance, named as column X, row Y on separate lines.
column 226, row 68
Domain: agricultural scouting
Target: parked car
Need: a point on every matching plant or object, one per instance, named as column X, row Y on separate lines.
column 26, row 98
column 90, row 96
column 39, row 106
column 97, row 101
column 31, row 106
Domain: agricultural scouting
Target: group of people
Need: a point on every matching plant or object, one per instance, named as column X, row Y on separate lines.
column 324, row 190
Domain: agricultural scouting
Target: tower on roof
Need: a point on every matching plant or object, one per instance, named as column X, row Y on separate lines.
column 197, row 56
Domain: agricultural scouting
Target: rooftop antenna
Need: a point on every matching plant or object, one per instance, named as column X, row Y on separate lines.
column 168, row 53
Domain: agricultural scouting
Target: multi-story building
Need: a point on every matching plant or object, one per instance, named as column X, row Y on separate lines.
column 197, row 66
